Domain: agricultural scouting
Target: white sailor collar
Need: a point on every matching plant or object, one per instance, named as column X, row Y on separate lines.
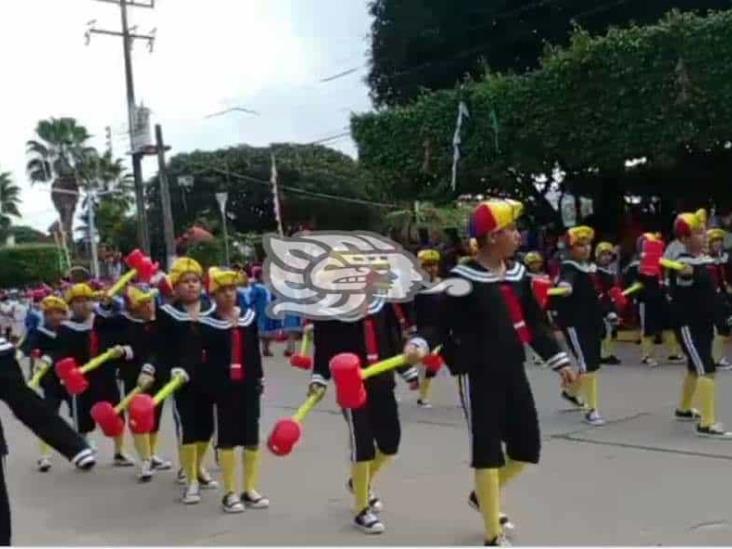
column 702, row 259
column 45, row 331
column 584, row 267
column 182, row 315
column 605, row 270
column 85, row 326
column 245, row 319
column 477, row 273
column 5, row 345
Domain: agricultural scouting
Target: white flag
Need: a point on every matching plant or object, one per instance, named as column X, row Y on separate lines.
column 456, row 140
column 276, row 196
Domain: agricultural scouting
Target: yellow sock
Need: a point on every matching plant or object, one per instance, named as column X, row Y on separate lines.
column 687, row 392
column 252, row 459
column 672, row 344
column 488, row 490
column 201, row 449
column 45, row 449
column 424, row 388
column 590, row 387
column 119, row 444
column 189, row 461
column 227, row 461
column 607, row 346
column 647, row 347
column 510, row 471
column 380, row 461
column 706, row 391
column 360, row 480
column 153, row 443
column 142, row 446
column 574, row 389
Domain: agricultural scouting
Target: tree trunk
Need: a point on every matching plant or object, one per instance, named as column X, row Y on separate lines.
column 65, row 204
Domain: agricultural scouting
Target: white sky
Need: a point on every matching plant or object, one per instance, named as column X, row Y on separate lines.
column 266, row 55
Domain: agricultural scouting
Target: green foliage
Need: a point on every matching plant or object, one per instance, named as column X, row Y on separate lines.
column 9, row 200
column 660, row 92
column 244, row 172
column 208, row 254
column 24, row 235
column 433, row 44
column 29, row 264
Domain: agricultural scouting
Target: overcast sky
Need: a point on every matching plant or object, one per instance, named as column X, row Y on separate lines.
column 265, row 55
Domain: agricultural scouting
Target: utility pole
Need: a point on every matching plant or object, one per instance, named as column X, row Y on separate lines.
column 168, row 227
column 128, row 38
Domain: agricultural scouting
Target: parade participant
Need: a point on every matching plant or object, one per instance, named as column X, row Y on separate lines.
column 261, row 297
column 720, row 270
column 606, row 280
column 133, row 323
column 43, row 340
column 375, row 430
column 427, row 309
column 534, row 264
column 233, row 377
column 39, row 418
column 694, row 299
column 581, row 316
column 483, row 335
column 79, row 337
column 178, row 327
column 653, row 309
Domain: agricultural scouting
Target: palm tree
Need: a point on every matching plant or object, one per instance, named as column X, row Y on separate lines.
column 9, row 200
column 55, row 157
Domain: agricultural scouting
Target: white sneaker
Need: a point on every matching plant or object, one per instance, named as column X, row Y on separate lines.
column 714, row 431
column 254, row 500
column 724, row 364
column 44, row 464
column 146, row 471
column 232, row 504
column 180, row 478
column 594, row 418
column 123, row 460
column 192, row 494
column 368, row 522
column 160, row 464
column 649, row 361
column 500, row 541
column 424, row 403
column 206, row 481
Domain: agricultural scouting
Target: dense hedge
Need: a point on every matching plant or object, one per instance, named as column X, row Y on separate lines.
column 28, row 264
column 653, row 91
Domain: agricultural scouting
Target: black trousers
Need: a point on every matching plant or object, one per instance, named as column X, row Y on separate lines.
column 194, row 414
column 374, row 425
column 696, row 340
column 500, row 411
column 585, row 342
column 237, row 415
column 4, row 508
column 102, row 388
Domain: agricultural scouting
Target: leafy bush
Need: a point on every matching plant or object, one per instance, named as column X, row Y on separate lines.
column 29, row 264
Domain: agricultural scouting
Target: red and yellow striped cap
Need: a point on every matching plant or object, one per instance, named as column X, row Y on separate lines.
column 688, row 222
column 493, row 215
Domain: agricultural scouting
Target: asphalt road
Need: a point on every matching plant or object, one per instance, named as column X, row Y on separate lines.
column 642, row 479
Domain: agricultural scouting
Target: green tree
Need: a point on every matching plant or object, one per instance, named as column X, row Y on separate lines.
column 9, row 200
column 55, row 156
column 434, row 44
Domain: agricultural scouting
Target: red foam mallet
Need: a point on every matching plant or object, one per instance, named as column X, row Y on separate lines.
column 287, row 432
column 303, row 360
column 541, row 286
column 142, row 407
column 349, row 377
column 433, row 362
column 74, row 378
column 108, row 417
column 141, row 267
column 650, row 260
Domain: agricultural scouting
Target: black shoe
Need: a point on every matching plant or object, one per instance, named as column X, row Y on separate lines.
column 254, row 500
column 232, row 504
column 44, row 464
column 159, row 464
column 611, row 360
column 687, row 415
column 206, row 482
column 368, row 522
column 576, row 401
column 122, row 460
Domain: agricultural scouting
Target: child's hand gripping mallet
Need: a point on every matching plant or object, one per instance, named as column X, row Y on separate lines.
column 108, row 417
column 74, row 377
column 41, row 368
column 349, row 377
column 619, row 297
column 287, row 432
column 141, row 267
column 303, row 360
column 142, row 407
